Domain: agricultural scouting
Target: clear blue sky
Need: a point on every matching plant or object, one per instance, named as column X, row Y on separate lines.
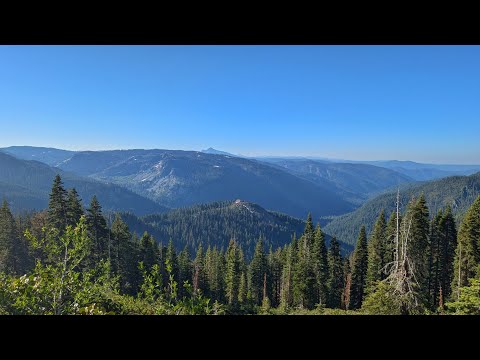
column 418, row 103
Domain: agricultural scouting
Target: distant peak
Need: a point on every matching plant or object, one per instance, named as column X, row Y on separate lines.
column 213, row 151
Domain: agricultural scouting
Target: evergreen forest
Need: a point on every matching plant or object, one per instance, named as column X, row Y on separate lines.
column 68, row 259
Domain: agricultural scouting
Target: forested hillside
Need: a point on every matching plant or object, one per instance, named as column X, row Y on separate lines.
column 215, row 224
column 459, row 192
column 26, row 184
column 68, row 260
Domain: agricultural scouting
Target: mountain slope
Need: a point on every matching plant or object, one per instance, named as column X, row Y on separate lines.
column 49, row 156
column 27, row 184
column 356, row 181
column 423, row 172
column 216, row 223
column 457, row 191
column 183, row 178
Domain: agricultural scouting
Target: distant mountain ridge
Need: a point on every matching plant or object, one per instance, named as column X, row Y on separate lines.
column 26, row 185
column 49, row 156
column 357, row 182
column 292, row 185
column 178, row 178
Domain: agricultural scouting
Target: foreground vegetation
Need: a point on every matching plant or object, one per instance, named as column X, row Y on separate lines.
column 67, row 260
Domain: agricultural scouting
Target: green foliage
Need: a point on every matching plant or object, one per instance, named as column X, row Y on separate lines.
column 216, row 223
column 359, row 271
column 336, row 275
column 468, row 302
column 320, row 267
column 97, row 230
column 467, row 253
column 91, row 269
column 57, row 206
column 232, row 273
column 377, row 259
column 457, row 191
column 56, row 286
column 418, row 243
column 257, row 269
column 384, row 301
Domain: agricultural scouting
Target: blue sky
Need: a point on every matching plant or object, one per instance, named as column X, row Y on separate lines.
column 419, row 103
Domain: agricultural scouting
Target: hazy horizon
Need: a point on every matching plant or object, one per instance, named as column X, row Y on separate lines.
column 267, row 155
column 360, row 103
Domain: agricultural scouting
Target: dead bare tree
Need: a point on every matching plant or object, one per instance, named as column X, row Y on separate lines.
column 401, row 272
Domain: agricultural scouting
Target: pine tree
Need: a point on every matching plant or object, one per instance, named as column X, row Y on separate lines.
column 467, row 253
column 8, row 236
column 232, row 274
column 74, row 209
column 309, row 232
column 346, row 295
column 434, row 263
column 286, row 291
column 305, row 291
column 275, row 265
column 97, row 230
column 123, row 259
column 258, row 267
column 320, row 266
column 242, row 288
column 199, row 271
column 418, row 244
column 376, row 254
column 301, row 275
column 447, row 252
column 336, row 275
column 359, row 271
column 57, row 206
column 184, row 270
column 243, row 282
column 172, row 259
column 149, row 253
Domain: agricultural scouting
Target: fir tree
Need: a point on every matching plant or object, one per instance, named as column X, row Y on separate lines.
column 199, row 271
column 346, row 295
column 258, row 267
column 123, row 259
column 336, row 275
column 172, row 259
column 359, row 271
column 376, row 254
column 232, row 274
column 57, row 206
column 286, row 292
column 74, row 207
column 184, row 270
column 447, row 252
column 97, row 230
column 8, row 236
column 418, row 243
column 467, row 253
column 320, row 266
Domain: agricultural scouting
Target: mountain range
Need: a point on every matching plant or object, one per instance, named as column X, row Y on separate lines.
column 175, row 178
column 144, row 182
column 356, row 182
